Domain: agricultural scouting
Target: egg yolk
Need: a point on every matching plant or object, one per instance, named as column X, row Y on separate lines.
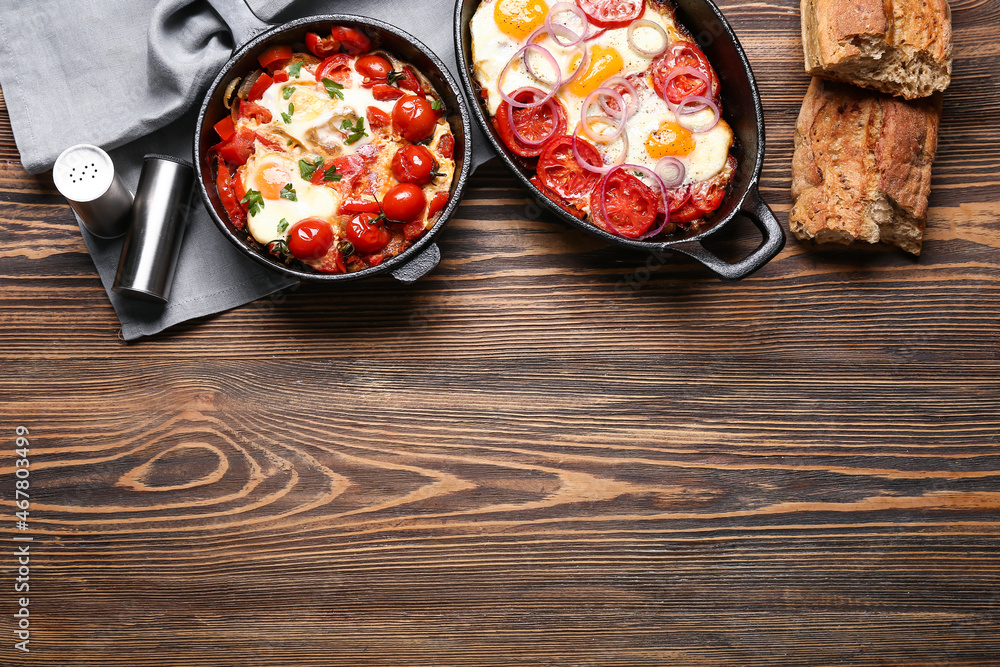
column 271, row 179
column 604, row 63
column 670, row 139
column 519, row 18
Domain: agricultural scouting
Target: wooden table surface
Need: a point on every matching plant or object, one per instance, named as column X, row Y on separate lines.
column 519, row 460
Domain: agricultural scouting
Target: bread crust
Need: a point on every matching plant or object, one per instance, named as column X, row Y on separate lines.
column 900, row 47
column 862, row 166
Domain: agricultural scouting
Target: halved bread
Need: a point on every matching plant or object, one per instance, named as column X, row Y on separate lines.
column 900, row 47
column 862, row 166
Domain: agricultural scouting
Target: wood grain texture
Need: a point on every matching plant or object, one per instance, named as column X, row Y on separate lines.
column 547, row 452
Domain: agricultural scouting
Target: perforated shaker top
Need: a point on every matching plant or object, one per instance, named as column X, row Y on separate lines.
column 83, row 173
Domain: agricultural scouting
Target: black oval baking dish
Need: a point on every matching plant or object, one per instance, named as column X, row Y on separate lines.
column 741, row 109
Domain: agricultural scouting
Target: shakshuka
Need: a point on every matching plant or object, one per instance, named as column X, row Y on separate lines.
column 612, row 104
column 335, row 155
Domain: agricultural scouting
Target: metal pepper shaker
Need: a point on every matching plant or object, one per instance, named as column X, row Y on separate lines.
column 156, row 228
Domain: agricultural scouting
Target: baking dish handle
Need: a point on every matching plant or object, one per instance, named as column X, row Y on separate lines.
column 242, row 22
column 419, row 266
column 762, row 217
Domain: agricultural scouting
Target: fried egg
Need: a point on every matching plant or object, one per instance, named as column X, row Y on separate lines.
column 285, row 196
column 501, row 27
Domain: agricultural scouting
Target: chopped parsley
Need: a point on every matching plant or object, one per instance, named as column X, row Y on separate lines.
column 283, row 225
column 437, row 105
column 254, row 201
column 288, row 192
column 331, row 174
column 287, row 92
column 278, row 248
column 356, row 131
column 296, row 69
column 394, row 77
column 333, row 88
column 287, row 117
column 307, row 168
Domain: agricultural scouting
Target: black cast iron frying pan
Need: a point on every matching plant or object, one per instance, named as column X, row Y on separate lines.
column 741, row 108
column 253, row 36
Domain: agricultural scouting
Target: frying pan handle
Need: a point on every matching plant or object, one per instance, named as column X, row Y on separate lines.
column 419, row 266
column 242, row 22
column 762, row 217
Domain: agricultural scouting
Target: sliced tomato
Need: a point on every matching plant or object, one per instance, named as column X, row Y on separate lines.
column 262, row 83
column 569, row 208
column 352, row 40
column 412, row 230
column 560, row 172
column 703, row 197
column 337, row 68
column 377, row 119
column 331, row 262
column 253, row 111
column 225, row 128
column 280, row 76
column 383, row 92
column 321, row 47
column 271, row 142
column 629, row 203
column 227, row 195
column 612, row 13
column 438, row 203
column 446, row 146
column 238, row 149
column 683, row 54
column 533, row 123
column 275, row 57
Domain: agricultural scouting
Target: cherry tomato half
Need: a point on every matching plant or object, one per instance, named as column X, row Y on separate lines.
column 383, row 92
column 336, row 68
column 404, row 202
column 410, row 82
column 612, row 13
column 413, row 164
column 321, row 47
column 414, row 118
column 367, row 234
column 353, row 41
column 533, row 123
column 683, row 54
column 629, row 203
column 310, row 238
column 437, row 204
column 446, row 146
column 275, row 57
column 377, row 119
column 374, row 68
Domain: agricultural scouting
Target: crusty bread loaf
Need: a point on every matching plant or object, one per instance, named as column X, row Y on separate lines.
column 900, row 47
column 862, row 166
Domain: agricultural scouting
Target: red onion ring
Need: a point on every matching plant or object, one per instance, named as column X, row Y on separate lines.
column 589, row 167
column 645, row 23
column 584, row 54
column 559, row 8
column 629, row 88
column 698, row 99
column 674, row 170
column 684, row 70
column 510, row 99
column 548, row 56
column 603, row 190
column 619, row 122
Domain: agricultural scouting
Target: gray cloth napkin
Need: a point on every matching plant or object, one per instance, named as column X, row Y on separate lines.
column 128, row 75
